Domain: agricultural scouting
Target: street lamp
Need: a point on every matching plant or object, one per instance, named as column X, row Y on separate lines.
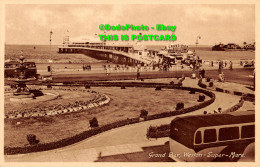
column 197, row 40
column 50, row 53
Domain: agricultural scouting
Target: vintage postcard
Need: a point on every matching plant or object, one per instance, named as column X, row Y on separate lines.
column 129, row 81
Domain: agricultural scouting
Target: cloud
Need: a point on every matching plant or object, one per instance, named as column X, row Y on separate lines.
column 213, row 22
column 39, row 16
column 206, row 13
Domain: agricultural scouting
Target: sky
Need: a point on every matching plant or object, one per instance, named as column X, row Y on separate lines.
column 31, row 23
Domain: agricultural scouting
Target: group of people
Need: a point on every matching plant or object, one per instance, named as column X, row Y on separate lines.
column 86, row 67
column 222, row 64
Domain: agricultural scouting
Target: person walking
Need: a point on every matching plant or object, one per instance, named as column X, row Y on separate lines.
column 200, row 73
column 203, row 73
column 138, row 73
column 231, row 65
column 83, row 67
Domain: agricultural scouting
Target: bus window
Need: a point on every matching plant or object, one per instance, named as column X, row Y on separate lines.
column 228, row 133
column 198, row 138
column 248, row 131
column 210, row 135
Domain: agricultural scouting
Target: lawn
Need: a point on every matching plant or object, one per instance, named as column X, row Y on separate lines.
column 125, row 103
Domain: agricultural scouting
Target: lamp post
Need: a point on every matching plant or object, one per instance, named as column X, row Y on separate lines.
column 50, row 53
column 197, row 40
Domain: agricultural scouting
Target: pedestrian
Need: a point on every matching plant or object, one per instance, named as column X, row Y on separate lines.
column 203, row 73
column 200, row 73
column 231, row 65
column 219, row 110
column 138, row 73
column 106, row 71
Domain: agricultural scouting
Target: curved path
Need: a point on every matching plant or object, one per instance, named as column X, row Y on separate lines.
column 123, row 140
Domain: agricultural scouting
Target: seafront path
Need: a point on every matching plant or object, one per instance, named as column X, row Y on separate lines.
column 128, row 143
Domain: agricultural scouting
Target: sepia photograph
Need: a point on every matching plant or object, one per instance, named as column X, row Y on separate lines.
column 129, row 82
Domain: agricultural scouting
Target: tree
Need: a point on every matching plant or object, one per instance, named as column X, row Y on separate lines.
column 93, row 123
column 179, row 106
column 144, row 114
column 31, row 138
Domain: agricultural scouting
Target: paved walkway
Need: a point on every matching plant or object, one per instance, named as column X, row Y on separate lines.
column 129, row 139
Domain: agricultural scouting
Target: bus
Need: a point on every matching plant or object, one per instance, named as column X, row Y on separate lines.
column 11, row 69
column 213, row 137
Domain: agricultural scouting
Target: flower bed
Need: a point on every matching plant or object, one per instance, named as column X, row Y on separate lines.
column 80, row 105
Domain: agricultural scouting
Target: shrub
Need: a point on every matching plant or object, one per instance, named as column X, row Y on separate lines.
column 152, row 129
column 157, row 132
column 93, row 123
column 203, row 85
column 171, row 83
column 31, row 138
column 179, row 106
column 238, row 93
column 219, row 89
column 122, row 87
column 201, row 98
column 250, row 95
column 158, row 88
column 144, row 114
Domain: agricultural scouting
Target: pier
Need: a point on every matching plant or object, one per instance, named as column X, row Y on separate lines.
column 123, row 54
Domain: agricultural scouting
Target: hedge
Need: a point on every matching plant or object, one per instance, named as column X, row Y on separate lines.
column 238, row 93
column 158, row 131
column 202, row 85
column 219, row 89
column 235, row 107
column 88, row 133
column 247, row 97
